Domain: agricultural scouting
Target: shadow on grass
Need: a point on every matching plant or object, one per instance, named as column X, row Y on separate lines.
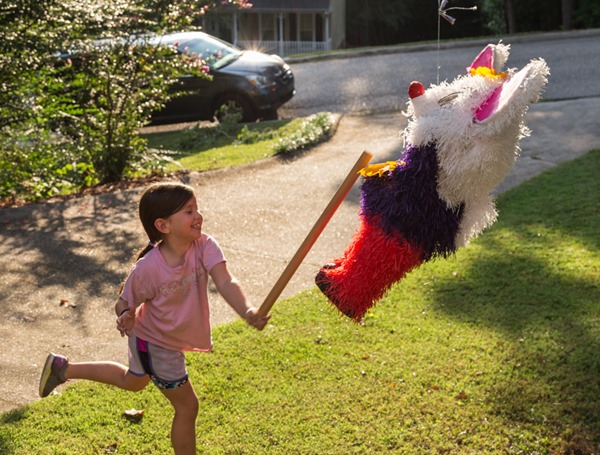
column 544, row 300
column 12, row 417
column 199, row 138
column 551, row 332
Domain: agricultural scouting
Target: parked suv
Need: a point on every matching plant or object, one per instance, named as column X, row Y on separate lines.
column 255, row 83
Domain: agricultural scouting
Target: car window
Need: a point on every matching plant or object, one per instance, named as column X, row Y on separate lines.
column 215, row 53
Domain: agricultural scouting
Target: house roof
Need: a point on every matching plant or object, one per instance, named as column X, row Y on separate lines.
column 291, row 5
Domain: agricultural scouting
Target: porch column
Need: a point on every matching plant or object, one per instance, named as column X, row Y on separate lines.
column 327, row 35
column 235, row 28
column 315, row 17
column 280, row 46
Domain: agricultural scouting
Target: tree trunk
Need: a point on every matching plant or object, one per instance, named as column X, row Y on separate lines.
column 567, row 14
column 511, row 17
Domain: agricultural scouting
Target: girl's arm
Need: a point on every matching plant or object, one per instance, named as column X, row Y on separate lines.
column 231, row 290
column 125, row 317
column 121, row 306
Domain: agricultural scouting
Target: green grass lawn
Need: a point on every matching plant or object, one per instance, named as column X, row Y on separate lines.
column 494, row 351
column 206, row 148
column 216, row 151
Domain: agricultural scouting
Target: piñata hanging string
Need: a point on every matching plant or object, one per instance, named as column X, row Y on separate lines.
column 442, row 12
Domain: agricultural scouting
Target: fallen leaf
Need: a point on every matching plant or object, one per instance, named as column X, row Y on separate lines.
column 435, row 387
column 67, row 304
column 134, row 415
column 462, row 395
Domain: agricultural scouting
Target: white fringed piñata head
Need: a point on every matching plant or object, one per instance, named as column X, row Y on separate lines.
column 476, row 122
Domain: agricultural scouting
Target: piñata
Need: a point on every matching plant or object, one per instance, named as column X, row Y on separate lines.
column 462, row 140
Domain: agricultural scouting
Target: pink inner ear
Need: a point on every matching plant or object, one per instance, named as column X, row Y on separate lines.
column 485, row 58
column 489, row 106
column 502, row 96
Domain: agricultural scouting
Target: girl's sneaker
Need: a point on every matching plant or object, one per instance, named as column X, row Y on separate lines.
column 53, row 373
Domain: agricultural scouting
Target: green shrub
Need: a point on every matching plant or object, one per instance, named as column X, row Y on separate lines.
column 40, row 165
column 314, row 129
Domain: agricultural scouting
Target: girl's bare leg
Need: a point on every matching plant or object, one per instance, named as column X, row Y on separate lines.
column 111, row 373
column 183, row 429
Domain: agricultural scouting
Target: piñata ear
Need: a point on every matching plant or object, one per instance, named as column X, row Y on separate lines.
column 485, row 59
column 489, row 106
column 500, row 98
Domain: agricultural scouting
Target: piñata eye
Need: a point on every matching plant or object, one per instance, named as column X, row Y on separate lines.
column 448, row 98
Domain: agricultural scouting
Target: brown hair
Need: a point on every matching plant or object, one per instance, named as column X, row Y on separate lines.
column 161, row 200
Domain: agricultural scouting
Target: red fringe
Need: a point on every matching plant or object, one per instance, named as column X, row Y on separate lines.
column 370, row 265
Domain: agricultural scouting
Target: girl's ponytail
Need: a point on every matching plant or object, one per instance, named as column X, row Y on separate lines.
column 146, row 249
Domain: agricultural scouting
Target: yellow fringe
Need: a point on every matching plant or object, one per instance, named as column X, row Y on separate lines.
column 380, row 168
column 486, row 72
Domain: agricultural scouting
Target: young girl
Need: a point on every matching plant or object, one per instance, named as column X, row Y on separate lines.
column 163, row 309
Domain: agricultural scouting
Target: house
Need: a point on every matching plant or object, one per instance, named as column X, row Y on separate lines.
column 283, row 27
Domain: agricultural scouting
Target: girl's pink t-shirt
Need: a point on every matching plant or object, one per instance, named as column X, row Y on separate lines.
column 172, row 302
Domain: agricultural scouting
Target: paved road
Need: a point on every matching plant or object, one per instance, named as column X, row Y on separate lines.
column 78, row 250
column 376, row 82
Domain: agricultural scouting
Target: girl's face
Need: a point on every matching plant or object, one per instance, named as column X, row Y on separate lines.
column 186, row 224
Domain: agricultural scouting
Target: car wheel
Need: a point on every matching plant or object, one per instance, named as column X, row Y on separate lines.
column 235, row 105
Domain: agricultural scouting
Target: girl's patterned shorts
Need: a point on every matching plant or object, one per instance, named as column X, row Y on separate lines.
column 165, row 367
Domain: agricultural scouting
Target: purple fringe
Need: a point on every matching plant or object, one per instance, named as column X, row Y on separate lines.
column 406, row 202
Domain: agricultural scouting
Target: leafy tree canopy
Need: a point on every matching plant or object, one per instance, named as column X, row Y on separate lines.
column 79, row 116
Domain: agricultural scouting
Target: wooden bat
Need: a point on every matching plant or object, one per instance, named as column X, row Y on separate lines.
column 314, row 233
